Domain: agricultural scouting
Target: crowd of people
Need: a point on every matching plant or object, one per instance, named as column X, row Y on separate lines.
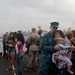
column 13, row 50
column 51, row 54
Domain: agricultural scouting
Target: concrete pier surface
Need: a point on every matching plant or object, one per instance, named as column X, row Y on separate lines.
column 4, row 64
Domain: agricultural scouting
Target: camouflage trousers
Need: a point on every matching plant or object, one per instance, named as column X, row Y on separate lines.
column 32, row 59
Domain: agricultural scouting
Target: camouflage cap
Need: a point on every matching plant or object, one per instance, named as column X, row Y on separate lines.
column 54, row 24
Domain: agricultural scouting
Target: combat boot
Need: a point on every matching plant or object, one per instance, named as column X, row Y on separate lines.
column 27, row 69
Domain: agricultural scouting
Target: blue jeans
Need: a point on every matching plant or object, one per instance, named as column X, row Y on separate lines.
column 18, row 62
column 63, row 71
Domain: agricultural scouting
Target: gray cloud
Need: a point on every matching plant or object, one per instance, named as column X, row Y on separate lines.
column 25, row 14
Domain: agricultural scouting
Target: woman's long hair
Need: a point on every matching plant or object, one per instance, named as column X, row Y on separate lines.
column 69, row 35
column 20, row 37
column 11, row 37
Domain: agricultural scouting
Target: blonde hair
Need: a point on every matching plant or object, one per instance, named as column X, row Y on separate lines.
column 70, row 35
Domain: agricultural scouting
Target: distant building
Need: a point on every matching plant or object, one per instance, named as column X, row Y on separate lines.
column 25, row 33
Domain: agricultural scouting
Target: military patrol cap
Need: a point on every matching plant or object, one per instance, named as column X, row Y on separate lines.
column 54, row 24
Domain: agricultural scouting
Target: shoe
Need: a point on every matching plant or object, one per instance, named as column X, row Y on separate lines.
column 27, row 69
column 35, row 69
column 8, row 69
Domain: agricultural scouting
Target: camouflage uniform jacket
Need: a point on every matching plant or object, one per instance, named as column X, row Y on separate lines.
column 34, row 41
column 46, row 66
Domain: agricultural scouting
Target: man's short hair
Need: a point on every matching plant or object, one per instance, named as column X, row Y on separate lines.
column 33, row 29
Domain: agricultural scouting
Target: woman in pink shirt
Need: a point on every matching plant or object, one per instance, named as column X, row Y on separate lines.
column 19, row 40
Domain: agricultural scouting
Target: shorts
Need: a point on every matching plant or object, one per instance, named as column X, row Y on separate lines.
column 12, row 51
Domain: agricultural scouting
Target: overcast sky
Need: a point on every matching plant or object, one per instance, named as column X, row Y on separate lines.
column 25, row 14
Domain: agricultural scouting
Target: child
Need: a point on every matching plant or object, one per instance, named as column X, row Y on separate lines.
column 61, row 55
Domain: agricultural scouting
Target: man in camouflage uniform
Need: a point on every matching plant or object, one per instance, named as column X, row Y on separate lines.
column 46, row 66
column 33, row 41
